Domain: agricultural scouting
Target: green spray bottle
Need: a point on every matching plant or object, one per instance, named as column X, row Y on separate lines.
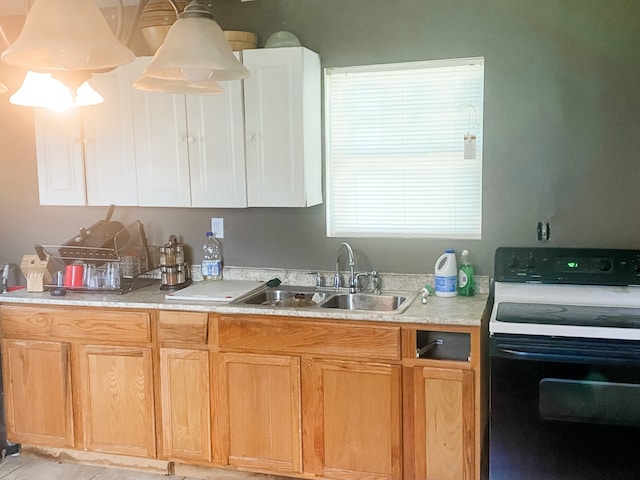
column 466, row 280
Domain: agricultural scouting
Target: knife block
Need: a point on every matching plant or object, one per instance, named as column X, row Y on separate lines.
column 37, row 272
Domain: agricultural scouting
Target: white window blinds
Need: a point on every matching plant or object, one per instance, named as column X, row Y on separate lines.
column 404, row 149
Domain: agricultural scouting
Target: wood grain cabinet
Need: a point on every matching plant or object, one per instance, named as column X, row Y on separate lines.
column 79, row 378
column 116, row 385
column 37, row 394
column 443, row 404
column 185, row 385
column 185, row 404
column 356, row 414
column 261, row 411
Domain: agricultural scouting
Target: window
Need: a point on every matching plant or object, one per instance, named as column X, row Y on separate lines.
column 404, row 149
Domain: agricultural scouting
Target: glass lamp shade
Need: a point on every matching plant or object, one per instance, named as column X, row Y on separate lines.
column 195, row 50
column 42, row 90
column 151, row 84
column 66, row 35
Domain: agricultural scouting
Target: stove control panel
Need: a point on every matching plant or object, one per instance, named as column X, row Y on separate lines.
column 578, row 266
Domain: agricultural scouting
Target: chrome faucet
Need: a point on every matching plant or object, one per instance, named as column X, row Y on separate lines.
column 337, row 282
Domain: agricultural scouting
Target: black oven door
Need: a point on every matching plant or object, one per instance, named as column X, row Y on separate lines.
column 564, row 408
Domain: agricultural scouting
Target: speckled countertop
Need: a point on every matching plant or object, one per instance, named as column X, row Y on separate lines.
column 464, row 311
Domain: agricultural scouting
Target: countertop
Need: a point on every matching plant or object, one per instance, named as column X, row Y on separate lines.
column 463, row 311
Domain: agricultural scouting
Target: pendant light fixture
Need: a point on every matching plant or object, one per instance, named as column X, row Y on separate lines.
column 67, row 36
column 194, row 56
column 151, row 84
column 43, row 90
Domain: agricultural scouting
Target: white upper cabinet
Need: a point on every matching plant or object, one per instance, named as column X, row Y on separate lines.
column 59, row 149
column 282, row 127
column 109, row 151
column 189, row 148
column 252, row 147
column 86, row 155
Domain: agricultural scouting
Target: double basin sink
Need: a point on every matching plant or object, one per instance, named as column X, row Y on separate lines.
column 309, row 297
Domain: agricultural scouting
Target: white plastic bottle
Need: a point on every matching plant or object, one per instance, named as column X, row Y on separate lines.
column 446, row 270
column 211, row 258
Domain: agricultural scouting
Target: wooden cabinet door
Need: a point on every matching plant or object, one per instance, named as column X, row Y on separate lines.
column 283, row 126
column 444, row 423
column 116, row 385
column 186, row 404
column 261, row 411
column 38, row 402
column 356, row 411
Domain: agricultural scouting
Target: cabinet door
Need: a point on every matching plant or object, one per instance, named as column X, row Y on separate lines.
column 356, row 409
column 116, row 385
column 162, row 146
column 261, row 423
column 282, row 119
column 185, row 393
column 109, row 147
column 37, row 393
column 216, row 148
column 444, row 423
column 60, row 157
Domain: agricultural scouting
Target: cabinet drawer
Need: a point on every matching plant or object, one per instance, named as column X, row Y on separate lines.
column 68, row 323
column 182, row 327
column 301, row 336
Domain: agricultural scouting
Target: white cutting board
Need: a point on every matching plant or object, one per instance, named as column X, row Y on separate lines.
column 214, row 290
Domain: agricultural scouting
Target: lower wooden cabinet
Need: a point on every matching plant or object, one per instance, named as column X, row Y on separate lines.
column 282, row 395
column 443, row 423
column 356, row 412
column 116, row 391
column 37, row 392
column 260, row 417
column 185, row 388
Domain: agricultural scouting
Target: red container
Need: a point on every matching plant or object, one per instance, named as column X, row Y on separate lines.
column 73, row 275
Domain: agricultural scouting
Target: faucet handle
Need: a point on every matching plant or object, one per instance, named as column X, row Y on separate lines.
column 375, row 283
column 337, row 281
column 318, row 280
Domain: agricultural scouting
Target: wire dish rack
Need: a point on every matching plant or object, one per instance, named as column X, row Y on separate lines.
column 119, row 268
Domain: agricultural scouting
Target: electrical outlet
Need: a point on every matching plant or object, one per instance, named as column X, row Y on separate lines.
column 544, row 231
column 217, row 227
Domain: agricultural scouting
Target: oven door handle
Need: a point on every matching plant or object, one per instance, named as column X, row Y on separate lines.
column 559, row 357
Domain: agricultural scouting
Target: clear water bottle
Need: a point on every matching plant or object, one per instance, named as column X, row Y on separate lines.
column 211, row 258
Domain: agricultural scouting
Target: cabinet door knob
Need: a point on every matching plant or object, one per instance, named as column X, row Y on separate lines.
column 180, row 139
column 190, row 139
column 250, row 137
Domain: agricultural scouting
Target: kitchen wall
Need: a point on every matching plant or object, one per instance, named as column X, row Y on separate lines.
column 561, row 131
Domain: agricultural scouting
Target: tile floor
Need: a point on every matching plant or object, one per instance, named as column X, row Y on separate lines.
column 28, row 467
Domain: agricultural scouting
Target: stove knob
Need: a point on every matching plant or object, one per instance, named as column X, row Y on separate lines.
column 635, row 266
column 514, row 263
column 531, row 263
column 604, row 265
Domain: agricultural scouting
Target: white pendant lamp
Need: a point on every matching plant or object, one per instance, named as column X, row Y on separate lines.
column 66, row 35
column 195, row 51
column 151, row 84
column 42, row 90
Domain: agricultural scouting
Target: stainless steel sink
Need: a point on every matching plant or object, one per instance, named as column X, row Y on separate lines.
column 285, row 297
column 367, row 301
column 310, row 297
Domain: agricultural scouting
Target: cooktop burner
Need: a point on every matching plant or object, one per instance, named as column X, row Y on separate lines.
column 618, row 317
